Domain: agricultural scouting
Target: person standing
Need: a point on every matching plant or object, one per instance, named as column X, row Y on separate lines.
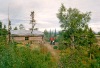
column 51, row 40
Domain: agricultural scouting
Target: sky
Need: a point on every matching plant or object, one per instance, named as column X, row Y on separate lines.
column 45, row 12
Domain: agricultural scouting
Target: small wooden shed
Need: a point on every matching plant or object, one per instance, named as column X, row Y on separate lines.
column 27, row 36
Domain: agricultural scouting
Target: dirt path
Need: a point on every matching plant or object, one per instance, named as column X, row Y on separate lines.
column 54, row 52
column 51, row 50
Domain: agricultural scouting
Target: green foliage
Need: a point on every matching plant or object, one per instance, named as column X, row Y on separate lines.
column 15, row 28
column 9, row 25
column 75, row 27
column 23, row 57
column 63, row 43
column 13, row 56
column 0, row 25
column 98, row 33
column 46, row 35
column 55, row 34
column 80, row 57
column 62, row 47
column 91, row 37
column 72, row 18
column 28, row 44
column 95, row 56
column 55, row 47
column 60, row 36
column 4, row 26
column 3, row 31
column 3, row 40
column 21, row 27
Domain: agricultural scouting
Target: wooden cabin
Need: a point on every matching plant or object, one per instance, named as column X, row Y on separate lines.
column 26, row 36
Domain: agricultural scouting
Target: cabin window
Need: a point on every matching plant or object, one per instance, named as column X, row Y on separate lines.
column 26, row 38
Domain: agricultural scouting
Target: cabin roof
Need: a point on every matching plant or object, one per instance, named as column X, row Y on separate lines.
column 26, row 33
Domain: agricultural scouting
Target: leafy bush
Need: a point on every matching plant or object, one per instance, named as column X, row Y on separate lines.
column 62, row 47
column 55, row 47
column 3, row 40
column 28, row 44
column 12, row 56
column 82, row 56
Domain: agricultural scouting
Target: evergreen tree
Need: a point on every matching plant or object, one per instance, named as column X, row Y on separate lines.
column 3, row 31
column 0, row 28
column 98, row 33
column 46, row 35
column 15, row 28
column 50, row 33
column 4, row 26
column 0, row 25
column 55, row 33
column 21, row 27
column 91, row 37
column 9, row 25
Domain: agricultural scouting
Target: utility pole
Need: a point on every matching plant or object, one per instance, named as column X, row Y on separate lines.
column 32, row 21
column 9, row 26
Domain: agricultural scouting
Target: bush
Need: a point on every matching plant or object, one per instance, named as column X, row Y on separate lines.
column 62, row 47
column 3, row 40
column 55, row 47
column 23, row 57
column 80, row 57
column 28, row 44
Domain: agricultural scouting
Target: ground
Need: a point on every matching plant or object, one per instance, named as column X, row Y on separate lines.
column 46, row 47
column 53, row 51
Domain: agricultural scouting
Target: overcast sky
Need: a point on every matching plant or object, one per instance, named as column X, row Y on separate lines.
column 45, row 12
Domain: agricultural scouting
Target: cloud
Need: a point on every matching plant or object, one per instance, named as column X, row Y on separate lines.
column 45, row 12
column 95, row 26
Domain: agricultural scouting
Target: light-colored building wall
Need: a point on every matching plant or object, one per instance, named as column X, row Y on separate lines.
column 31, row 39
column 18, row 38
column 35, row 38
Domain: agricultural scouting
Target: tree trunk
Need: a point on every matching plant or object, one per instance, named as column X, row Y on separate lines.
column 90, row 56
column 72, row 42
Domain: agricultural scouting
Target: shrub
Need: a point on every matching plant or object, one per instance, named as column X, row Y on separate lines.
column 23, row 57
column 80, row 57
column 55, row 47
column 28, row 44
column 62, row 47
